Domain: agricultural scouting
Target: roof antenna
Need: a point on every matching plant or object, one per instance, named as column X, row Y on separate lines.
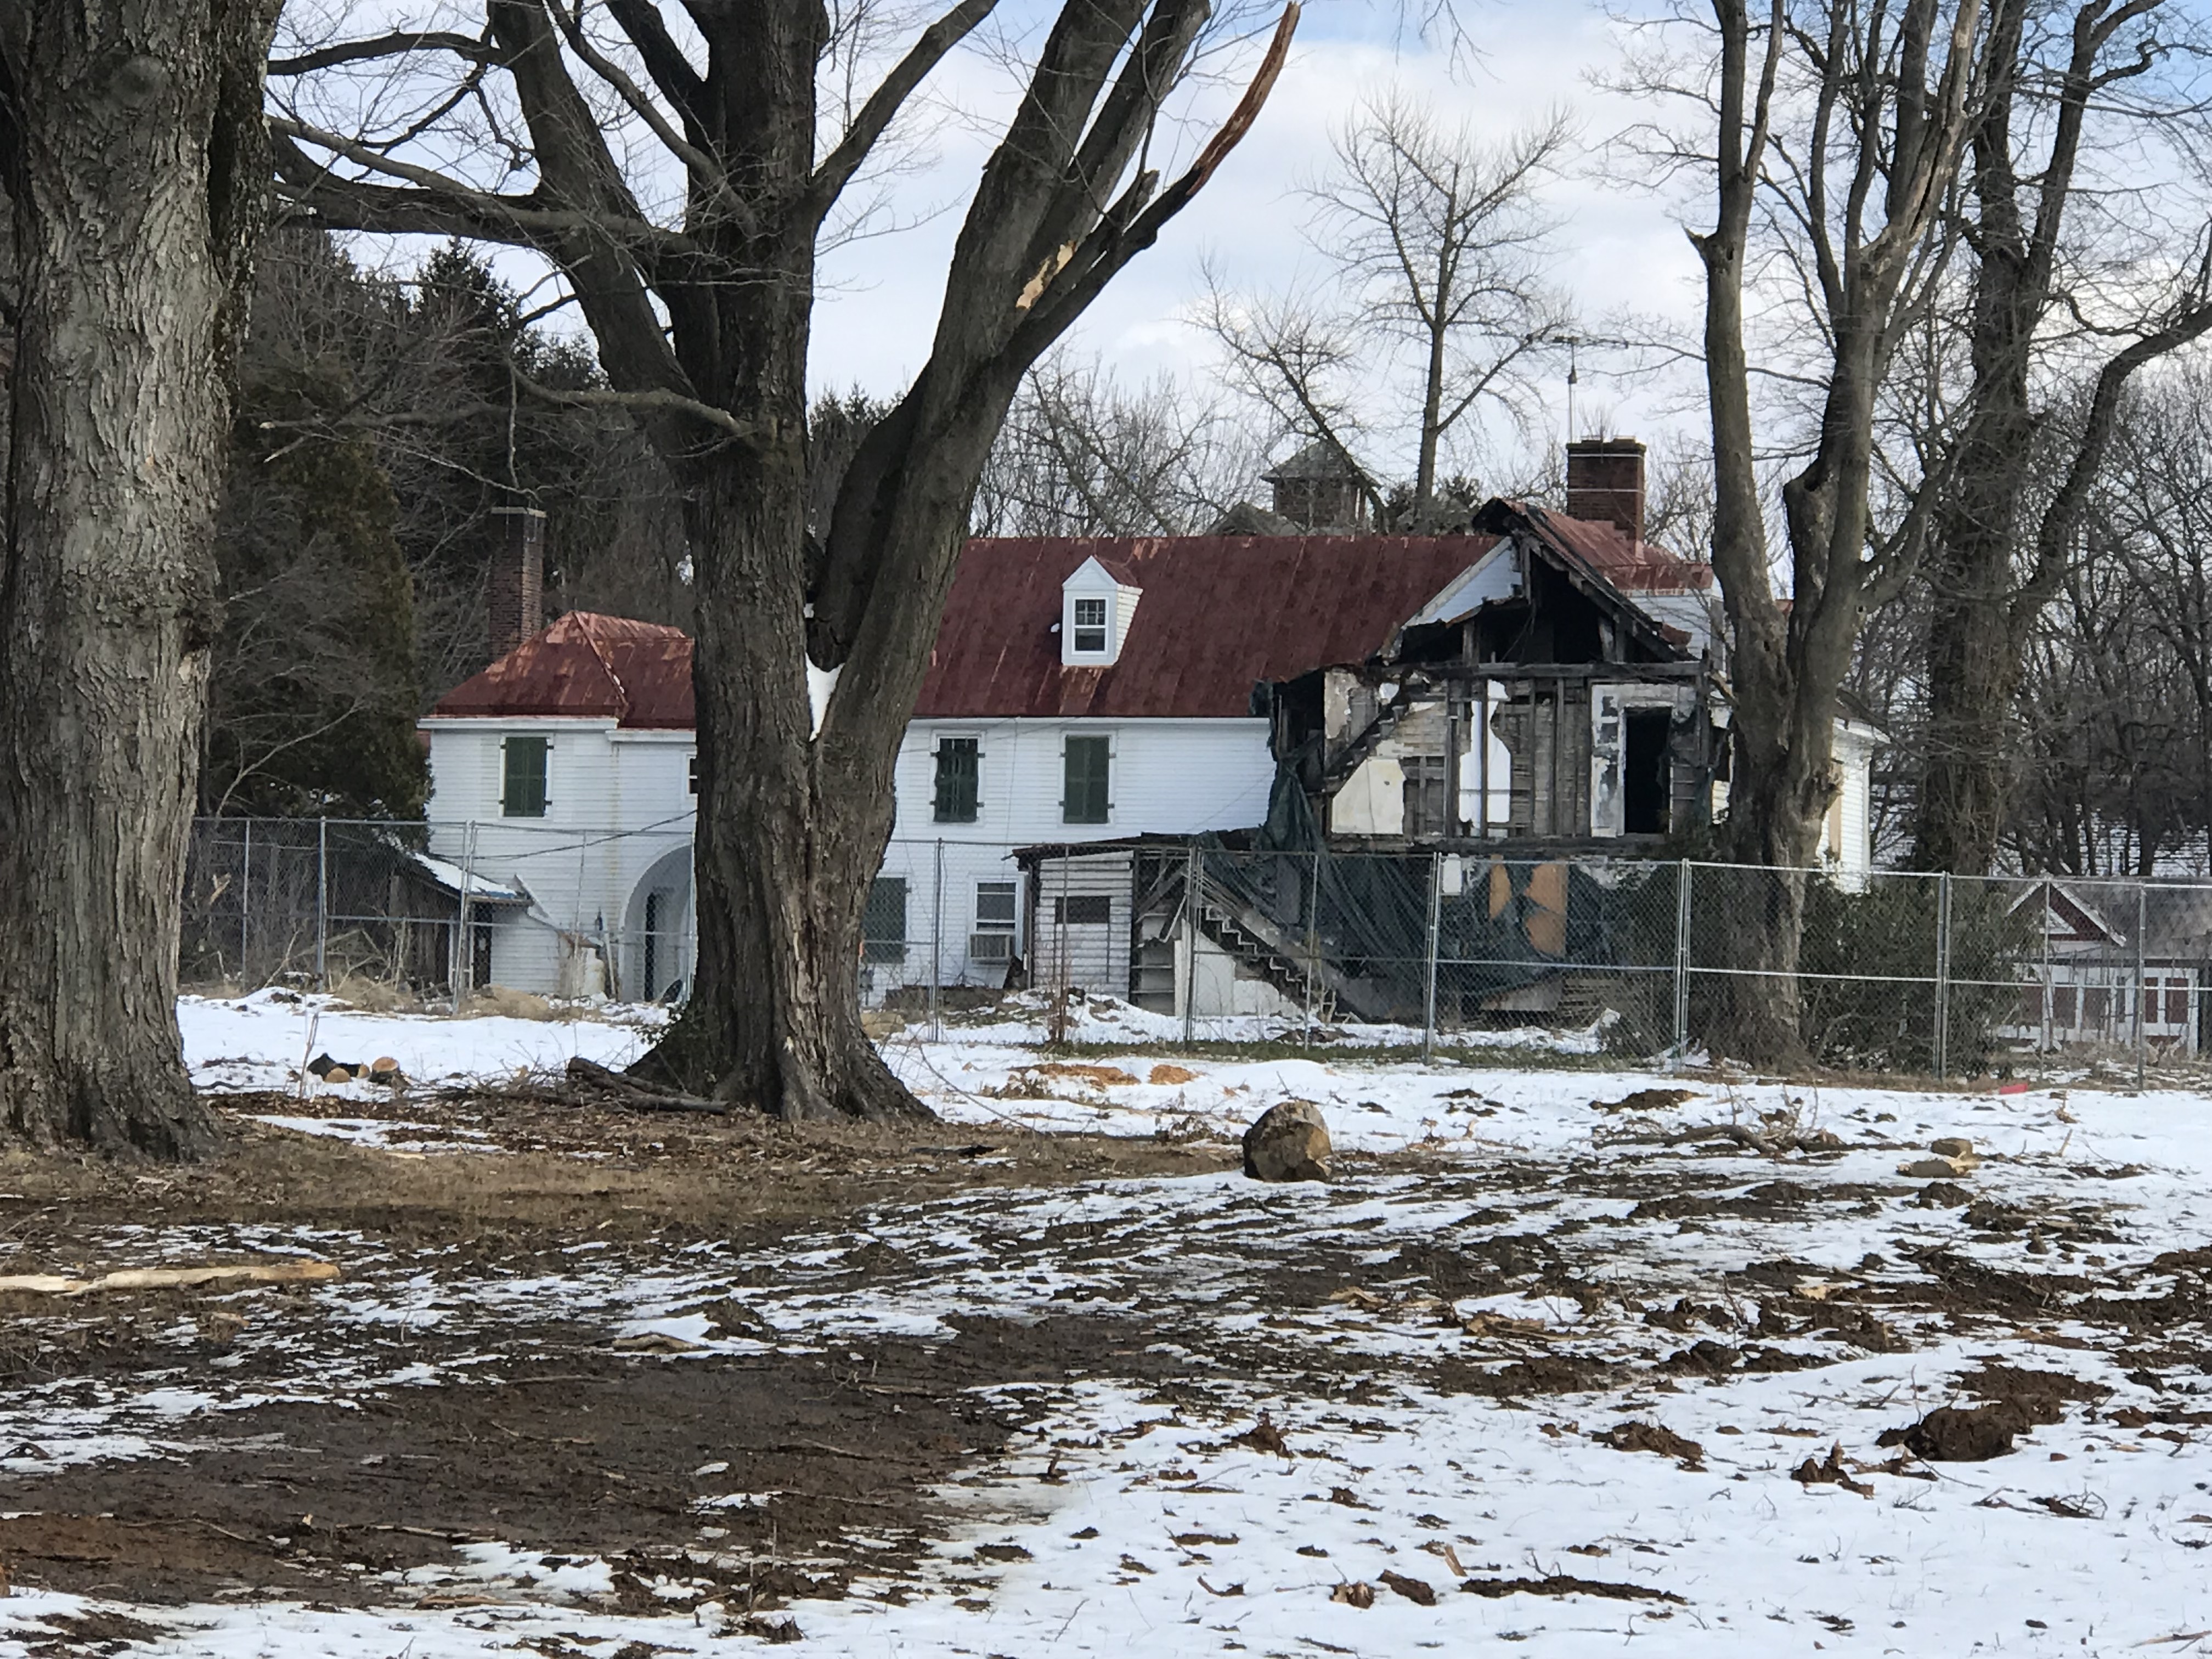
column 1574, row 341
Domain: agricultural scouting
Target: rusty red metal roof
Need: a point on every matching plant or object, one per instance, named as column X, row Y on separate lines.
column 1220, row 614
column 1632, row 567
column 638, row 674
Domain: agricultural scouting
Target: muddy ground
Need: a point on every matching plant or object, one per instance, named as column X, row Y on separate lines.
column 340, row 1444
column 577, row 1450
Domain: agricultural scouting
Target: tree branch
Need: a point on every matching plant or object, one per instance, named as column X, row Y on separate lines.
column 884, row 105
column 655, row 400
column 398, row 44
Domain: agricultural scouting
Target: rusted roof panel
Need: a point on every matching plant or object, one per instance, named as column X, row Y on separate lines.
column 1220, row 614
column 638, row 674
column 1631, row 567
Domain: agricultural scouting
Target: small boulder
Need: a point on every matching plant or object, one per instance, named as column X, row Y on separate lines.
column 1290, row 1142
column 1935, row 1168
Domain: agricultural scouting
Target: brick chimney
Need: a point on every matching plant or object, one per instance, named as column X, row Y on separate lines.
column 514, row 585
column 1605, row 483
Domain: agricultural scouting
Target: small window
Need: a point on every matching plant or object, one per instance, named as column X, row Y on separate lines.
column 522, row 782
column 692, row 780
column 882, row 923
column 2061, row 1006
column 1090, row 626
column 2177, row 1002
column 956, row 760
column 1083, row 911
column 1087, row 799
column 994, row 907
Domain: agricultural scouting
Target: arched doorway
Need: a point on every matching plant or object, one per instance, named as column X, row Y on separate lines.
column 658, row 930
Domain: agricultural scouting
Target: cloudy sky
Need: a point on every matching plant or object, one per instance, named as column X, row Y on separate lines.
column 1620, row 246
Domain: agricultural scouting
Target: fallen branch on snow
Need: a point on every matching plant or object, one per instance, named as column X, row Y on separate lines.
column 152, row 1279
column 613, row 1088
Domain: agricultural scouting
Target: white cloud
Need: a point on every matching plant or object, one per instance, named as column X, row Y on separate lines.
column 1621, row 249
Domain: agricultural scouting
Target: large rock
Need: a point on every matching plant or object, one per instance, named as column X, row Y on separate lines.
column 1289, row 1142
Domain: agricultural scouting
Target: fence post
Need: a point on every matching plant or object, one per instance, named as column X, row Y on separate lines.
column 244, row 899
column 1681, row 965
column 1192, row 882
column 1313, row 941
column 1436, row 924
column 464, row 957
column 322, row 903
column 937, row 945
column 2142, row 991
column 2049, row 994
column 1942, row 1033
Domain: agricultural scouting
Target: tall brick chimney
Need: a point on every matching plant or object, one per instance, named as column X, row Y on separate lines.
column 514, row 585
column 1605, row 483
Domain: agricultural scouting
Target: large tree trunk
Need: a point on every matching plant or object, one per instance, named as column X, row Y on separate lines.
column 131, row 135
column 792, row 830
column 1973, row 659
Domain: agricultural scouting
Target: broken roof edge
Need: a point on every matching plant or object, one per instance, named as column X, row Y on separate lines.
column 1531, row 526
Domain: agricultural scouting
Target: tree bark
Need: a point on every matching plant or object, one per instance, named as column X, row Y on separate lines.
column 1986, row 597
column 131, row 137
column 704, row 331
column 1787, row 662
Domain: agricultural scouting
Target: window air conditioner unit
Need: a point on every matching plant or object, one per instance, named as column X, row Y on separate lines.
column 990, row 947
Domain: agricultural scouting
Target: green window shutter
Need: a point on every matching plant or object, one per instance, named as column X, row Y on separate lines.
column 957, row 769
column 1087, row 799
column 522, row 780
column 882, row 920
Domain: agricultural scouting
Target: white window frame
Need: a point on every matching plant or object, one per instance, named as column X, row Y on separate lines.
column 1103, row 627
column 1013, row 896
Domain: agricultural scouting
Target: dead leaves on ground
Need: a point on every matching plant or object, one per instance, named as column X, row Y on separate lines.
column 1414, row 1589
column 1830, row 1471
column 1646, row 1100
column 1358, row 1593
column 1633, row 1437
column 1264, row 1437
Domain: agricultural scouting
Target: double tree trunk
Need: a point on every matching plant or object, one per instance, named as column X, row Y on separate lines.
column 129, row 136
column 784, row 870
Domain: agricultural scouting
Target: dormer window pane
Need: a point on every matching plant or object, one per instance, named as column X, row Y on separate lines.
column 1090, row 626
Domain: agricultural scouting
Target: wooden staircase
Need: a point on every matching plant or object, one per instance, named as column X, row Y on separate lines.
column 1354, row 754
column 1253, row 938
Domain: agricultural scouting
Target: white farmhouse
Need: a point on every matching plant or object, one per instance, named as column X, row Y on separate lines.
column 1541, row 685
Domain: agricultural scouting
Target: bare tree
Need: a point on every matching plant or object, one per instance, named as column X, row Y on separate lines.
column 132, row 152
column 2003, row 543
column 1848, row 125
column 1440, row 247
column 2114, row 713
column 1079, row 456
column 702, row 319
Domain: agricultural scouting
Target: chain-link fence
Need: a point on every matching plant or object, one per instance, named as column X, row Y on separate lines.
column 1903, row 972
column 426, row 907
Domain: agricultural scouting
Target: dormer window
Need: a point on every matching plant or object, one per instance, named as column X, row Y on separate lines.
column 1095, row 610
column 1089, row 628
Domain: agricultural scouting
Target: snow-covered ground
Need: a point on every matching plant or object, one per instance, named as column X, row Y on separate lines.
column 1450, row 1343
column 264, row 1040
column 1024, row 1017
